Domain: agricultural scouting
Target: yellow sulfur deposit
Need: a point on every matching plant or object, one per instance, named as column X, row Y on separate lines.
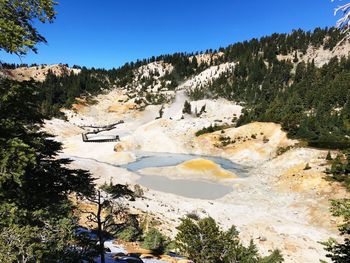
column 206, row 166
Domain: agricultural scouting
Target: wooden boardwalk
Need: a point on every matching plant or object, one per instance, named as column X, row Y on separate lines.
column 85, row 138
column 109, row 126
column 98, row 129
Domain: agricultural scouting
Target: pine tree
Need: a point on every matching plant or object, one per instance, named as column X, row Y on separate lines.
column 155, row 241
column 187, row 108
column 34, row 184
column 204, row 242
column 107, row 210
column 329, row 156
column 295, row 60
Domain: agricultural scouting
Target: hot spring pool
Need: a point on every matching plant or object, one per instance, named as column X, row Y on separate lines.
column 200, row 189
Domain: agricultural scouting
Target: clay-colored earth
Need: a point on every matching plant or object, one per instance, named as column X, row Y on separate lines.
column 39, row 73
column 192, row 169
column 206, row 166
column 279, row 204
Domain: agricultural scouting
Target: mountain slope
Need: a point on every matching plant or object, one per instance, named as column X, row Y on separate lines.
column 39, row 73
column 300, row 80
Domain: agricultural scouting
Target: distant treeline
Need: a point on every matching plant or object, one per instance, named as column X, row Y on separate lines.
column 311, row 103
column 24, row 65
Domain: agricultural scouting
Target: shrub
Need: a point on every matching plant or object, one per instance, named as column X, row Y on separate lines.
column 129, row 234
column 307, row 167
column 193, row 215
column 340, row 169
column 204, row 241
column 138, row 191
column 340, row 252
column 131, row 231
column 202, row 110
column 187, row 108
column 329, row 156
column 211, row 128
column 282, row 150
column 155, row 241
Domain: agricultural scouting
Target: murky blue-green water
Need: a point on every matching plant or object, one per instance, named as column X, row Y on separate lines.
column 147, row 159
column 188, row 188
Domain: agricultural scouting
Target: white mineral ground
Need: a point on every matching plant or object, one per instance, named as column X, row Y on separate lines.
column 279, row 204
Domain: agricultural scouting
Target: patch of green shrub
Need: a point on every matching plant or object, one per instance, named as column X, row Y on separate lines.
column 155, row 241
column 211, row 128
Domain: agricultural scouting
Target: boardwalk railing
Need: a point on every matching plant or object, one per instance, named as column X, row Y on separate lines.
column 98, row 129
column 109, row 126
column 113, row 138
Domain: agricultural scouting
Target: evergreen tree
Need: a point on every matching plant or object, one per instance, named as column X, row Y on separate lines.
column 340, row 252
column 329, row 156
column 187, row 108
column 155, row 241
column 103, row 218
column 340, row 172
column 35, row 212
column 204, row 242
column 295, row 60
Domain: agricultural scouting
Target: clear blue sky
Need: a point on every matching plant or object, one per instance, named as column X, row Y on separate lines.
column 108, row 33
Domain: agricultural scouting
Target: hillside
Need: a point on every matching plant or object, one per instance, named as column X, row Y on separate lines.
column 299, row 80
column 220, row 133
column 252, row 176
column 235, row 154
column 39, row 73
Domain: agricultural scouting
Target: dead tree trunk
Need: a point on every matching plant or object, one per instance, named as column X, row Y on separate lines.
column 99, row 228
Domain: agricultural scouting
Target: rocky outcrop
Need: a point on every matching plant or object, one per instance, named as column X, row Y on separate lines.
column 39, row 73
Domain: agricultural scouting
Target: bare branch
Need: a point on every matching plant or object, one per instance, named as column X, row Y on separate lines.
column 343, row 23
